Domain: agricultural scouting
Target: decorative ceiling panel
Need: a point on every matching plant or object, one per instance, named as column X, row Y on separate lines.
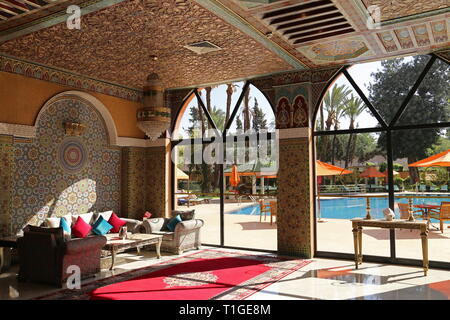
column 308, row 21
column 118, row 44
column 416, row 36
column 394, row 9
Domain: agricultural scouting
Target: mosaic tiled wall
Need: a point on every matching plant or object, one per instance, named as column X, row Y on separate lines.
column 134, row 187
column 292, row 106
column 56, row 174
column 143, row 182
column 295, row 215
column 6, row 161
column 156, row 181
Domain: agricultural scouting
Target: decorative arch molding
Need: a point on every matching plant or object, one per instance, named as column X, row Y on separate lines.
column 26, row 131
column 91, row 101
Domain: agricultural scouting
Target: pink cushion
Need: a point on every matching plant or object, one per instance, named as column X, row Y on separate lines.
column 81, row 229
column 147, row 215
column 116, row 223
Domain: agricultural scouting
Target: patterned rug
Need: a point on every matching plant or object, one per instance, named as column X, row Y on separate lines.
column 202, row 275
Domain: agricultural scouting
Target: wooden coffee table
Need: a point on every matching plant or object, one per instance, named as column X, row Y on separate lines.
column 138, row 240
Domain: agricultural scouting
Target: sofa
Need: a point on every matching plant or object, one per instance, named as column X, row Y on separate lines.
column 44, row 255
column 45, row 252
column 186, row 235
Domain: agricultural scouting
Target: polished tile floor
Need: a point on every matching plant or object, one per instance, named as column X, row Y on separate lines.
column 321, row 279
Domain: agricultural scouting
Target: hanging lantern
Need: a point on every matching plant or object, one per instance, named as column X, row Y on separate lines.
column 153, row 118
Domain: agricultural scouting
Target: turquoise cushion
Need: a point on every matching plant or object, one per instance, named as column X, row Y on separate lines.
column 101, row 226
column 173, row 222
column 65, row 225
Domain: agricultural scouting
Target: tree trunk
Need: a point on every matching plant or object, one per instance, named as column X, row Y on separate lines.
column 229, row 96
column 349, row 143
column 247, row 111
column 413, row 171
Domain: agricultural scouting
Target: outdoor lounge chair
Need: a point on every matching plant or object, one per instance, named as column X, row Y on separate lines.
column 444, row 188
column 422, row 188
column 433, row 188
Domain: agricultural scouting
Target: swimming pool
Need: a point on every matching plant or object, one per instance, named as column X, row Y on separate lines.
column 349, row 208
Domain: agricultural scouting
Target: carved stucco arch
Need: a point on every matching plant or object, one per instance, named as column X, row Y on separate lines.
column 93, row 102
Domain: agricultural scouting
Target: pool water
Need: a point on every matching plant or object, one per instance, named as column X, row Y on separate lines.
column 349, row 208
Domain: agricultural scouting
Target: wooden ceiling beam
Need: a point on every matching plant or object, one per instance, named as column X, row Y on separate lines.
column 8, row 9
column 32, row 3
column 15, row 4
column 301, row 11
column 279, row 25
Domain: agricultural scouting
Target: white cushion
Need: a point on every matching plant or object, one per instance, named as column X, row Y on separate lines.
column 106, row 215
column 87, row 217
column 54, row 222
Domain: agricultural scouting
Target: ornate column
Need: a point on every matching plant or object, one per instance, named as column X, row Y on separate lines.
column 6, row 167
column 295, row 179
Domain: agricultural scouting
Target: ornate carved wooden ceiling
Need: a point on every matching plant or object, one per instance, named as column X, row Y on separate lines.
column 329, row 32
column 118, row 37
column 117, row 43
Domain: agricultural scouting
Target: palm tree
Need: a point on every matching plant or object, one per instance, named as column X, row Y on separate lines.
column 333, row 103
column 353, row 109
column 231, row 88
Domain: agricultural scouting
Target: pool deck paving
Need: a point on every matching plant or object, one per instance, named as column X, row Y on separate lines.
column 333, row 235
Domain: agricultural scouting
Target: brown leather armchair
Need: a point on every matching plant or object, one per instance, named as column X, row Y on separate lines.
column 44, row 256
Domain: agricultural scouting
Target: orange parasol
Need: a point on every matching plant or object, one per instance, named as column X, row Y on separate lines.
column 234, row 179
column 326, row 169
column 372, row 172
column 438, row 160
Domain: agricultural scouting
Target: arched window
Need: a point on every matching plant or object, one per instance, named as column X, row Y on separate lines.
column 375, row 121
column 221, row 130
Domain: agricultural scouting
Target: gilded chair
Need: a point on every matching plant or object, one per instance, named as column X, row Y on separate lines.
column 273, row 210
column 263, row 209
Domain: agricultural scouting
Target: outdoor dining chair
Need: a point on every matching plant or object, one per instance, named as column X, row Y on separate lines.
column 263, row 208
column 444, row 214
column 404, row 210
column 273, row 210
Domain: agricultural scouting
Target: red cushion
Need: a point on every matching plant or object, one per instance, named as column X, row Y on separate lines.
column 116, row 223
column 81, row 229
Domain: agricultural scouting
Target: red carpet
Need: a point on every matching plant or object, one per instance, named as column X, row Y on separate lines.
column 205, row 274
column 199, row 279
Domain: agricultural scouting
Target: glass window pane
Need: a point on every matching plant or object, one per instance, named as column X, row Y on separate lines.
column 421, row 190
column 197, row 187
column 431, row 102
column 386, row 83
column 350, row 185
column 342, row 109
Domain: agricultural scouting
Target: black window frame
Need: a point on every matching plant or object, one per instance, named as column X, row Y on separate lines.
column 388, row 128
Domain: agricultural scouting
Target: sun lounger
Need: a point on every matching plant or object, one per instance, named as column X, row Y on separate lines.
column 444, row 188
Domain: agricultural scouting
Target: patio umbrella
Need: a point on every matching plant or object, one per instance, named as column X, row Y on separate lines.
column 438, row 160
column 326, row 169
column 234, row 178
column 372, row 172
